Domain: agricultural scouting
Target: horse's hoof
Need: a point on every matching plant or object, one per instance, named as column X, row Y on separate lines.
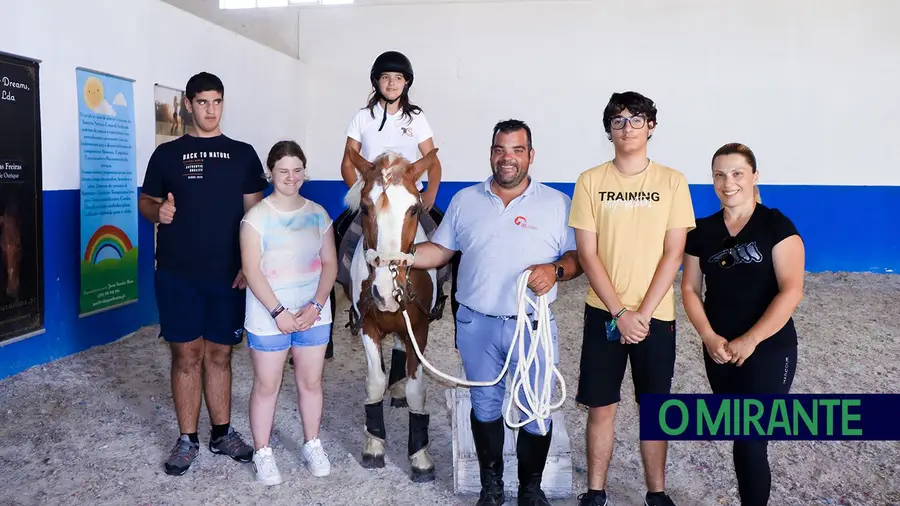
column 399, row 402
column 422, row 475
column 372, row 461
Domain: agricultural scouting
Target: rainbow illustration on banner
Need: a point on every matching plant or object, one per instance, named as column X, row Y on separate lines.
column 107, row 242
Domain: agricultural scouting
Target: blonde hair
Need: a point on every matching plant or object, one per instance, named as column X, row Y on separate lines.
column 736, row 148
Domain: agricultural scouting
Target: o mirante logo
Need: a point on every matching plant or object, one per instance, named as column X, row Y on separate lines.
column 771, row 417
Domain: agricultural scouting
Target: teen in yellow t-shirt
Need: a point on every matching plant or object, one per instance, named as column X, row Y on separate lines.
column 631, row 216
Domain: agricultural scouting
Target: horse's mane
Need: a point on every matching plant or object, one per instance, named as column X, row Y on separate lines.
column 397, row 166
column 354, row 194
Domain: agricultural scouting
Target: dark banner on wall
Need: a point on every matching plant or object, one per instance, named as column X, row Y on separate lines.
column 21, row 224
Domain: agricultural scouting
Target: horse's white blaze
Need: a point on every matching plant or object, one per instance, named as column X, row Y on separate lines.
column 376, row 381
column 390, row 230
column 415, row 392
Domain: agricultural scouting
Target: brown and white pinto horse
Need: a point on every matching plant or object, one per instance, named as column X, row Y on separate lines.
column 383, row 285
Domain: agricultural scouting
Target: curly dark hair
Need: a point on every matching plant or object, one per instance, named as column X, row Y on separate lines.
column 636, row 103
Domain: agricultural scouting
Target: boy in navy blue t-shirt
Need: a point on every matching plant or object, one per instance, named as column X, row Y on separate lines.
column 197, row 188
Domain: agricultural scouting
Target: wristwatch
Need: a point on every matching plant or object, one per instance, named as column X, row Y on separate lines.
column 319, row 307
column 560, row 272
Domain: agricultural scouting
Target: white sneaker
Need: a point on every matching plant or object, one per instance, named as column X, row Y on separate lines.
column 315, row 458
column 266, row 469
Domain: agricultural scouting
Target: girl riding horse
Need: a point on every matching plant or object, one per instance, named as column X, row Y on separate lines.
column 390, row 122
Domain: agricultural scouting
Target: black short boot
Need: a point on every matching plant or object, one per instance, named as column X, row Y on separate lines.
column 532, row 453
column 488, row 437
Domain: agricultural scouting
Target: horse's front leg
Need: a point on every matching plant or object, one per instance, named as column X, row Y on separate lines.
column 420, row 461
column 398, row 376
column 376, row 383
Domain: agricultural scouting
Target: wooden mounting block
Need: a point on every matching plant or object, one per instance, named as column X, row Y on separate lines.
column 557, row 481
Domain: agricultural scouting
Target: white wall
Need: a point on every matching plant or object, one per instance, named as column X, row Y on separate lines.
column 264, row 89
column 274, row 27
column 810, row 85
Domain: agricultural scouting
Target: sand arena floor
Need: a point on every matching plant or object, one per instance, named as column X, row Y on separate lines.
column 94, row 428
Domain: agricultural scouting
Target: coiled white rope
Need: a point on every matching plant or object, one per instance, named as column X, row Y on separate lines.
column 537, row 393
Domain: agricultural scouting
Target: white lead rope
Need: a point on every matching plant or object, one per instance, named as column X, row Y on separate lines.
column 537, row 392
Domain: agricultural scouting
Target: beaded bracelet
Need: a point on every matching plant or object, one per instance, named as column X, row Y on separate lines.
column 612, row 323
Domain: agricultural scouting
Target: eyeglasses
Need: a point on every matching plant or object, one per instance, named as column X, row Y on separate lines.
column 728, row 259
column 618, row 122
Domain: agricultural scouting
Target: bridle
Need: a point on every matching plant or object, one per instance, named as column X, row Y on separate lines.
column 394, row 261
column 402, row 294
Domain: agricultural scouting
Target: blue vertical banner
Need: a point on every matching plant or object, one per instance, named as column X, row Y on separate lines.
column 109, row 219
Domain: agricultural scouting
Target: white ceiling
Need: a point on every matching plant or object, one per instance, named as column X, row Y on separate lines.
column 278, row 27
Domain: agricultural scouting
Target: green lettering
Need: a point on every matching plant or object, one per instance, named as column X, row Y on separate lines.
column 811, row 424
column 847, row 417
column 737, row 418
column 779, row 410
column 703, row 418
column 829, row 418
column 754, row 418
column 684, row 417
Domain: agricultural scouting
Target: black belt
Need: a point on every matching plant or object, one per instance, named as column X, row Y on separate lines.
column 501, row 317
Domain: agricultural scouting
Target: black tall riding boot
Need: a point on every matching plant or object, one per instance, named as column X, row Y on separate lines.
column 488, row 437
column 532, row 453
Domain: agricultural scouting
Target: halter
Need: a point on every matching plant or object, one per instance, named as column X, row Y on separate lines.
column 394, row 261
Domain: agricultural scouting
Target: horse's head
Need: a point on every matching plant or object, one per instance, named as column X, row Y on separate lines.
column 389, row 203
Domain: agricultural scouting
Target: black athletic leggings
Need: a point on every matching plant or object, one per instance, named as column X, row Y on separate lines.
column 767, row 371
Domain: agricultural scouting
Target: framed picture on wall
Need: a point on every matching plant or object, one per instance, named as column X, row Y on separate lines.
column 21, row 199
column 172, row 118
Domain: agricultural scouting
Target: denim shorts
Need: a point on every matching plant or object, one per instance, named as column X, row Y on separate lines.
column 315, row 336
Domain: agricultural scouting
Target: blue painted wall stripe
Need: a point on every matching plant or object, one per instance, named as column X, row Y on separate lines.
column 66, row 333
column 846, row 228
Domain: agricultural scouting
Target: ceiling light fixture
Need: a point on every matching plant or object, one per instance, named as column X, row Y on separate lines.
column 262, row 4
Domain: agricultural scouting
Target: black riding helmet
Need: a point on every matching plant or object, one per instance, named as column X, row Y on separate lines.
column 391, row 61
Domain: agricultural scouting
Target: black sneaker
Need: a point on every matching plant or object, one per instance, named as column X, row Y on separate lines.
column 658, row 499
column 593, row 499
column 232, row 445
column 183, row 454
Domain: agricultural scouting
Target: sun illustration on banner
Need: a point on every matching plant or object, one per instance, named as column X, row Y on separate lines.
column 107, row 243
column 94, row 97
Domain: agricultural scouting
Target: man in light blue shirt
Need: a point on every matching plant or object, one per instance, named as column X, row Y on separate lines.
column 504, row 226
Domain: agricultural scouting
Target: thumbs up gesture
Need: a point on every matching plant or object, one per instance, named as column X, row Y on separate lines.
column 167, row 210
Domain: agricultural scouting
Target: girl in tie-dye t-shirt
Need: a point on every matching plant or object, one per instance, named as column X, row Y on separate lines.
column 290, row 263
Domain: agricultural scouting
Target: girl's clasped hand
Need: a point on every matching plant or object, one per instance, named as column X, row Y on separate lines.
column 303, row 320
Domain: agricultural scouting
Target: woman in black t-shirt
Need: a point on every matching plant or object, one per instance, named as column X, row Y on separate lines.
column 752, row 258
